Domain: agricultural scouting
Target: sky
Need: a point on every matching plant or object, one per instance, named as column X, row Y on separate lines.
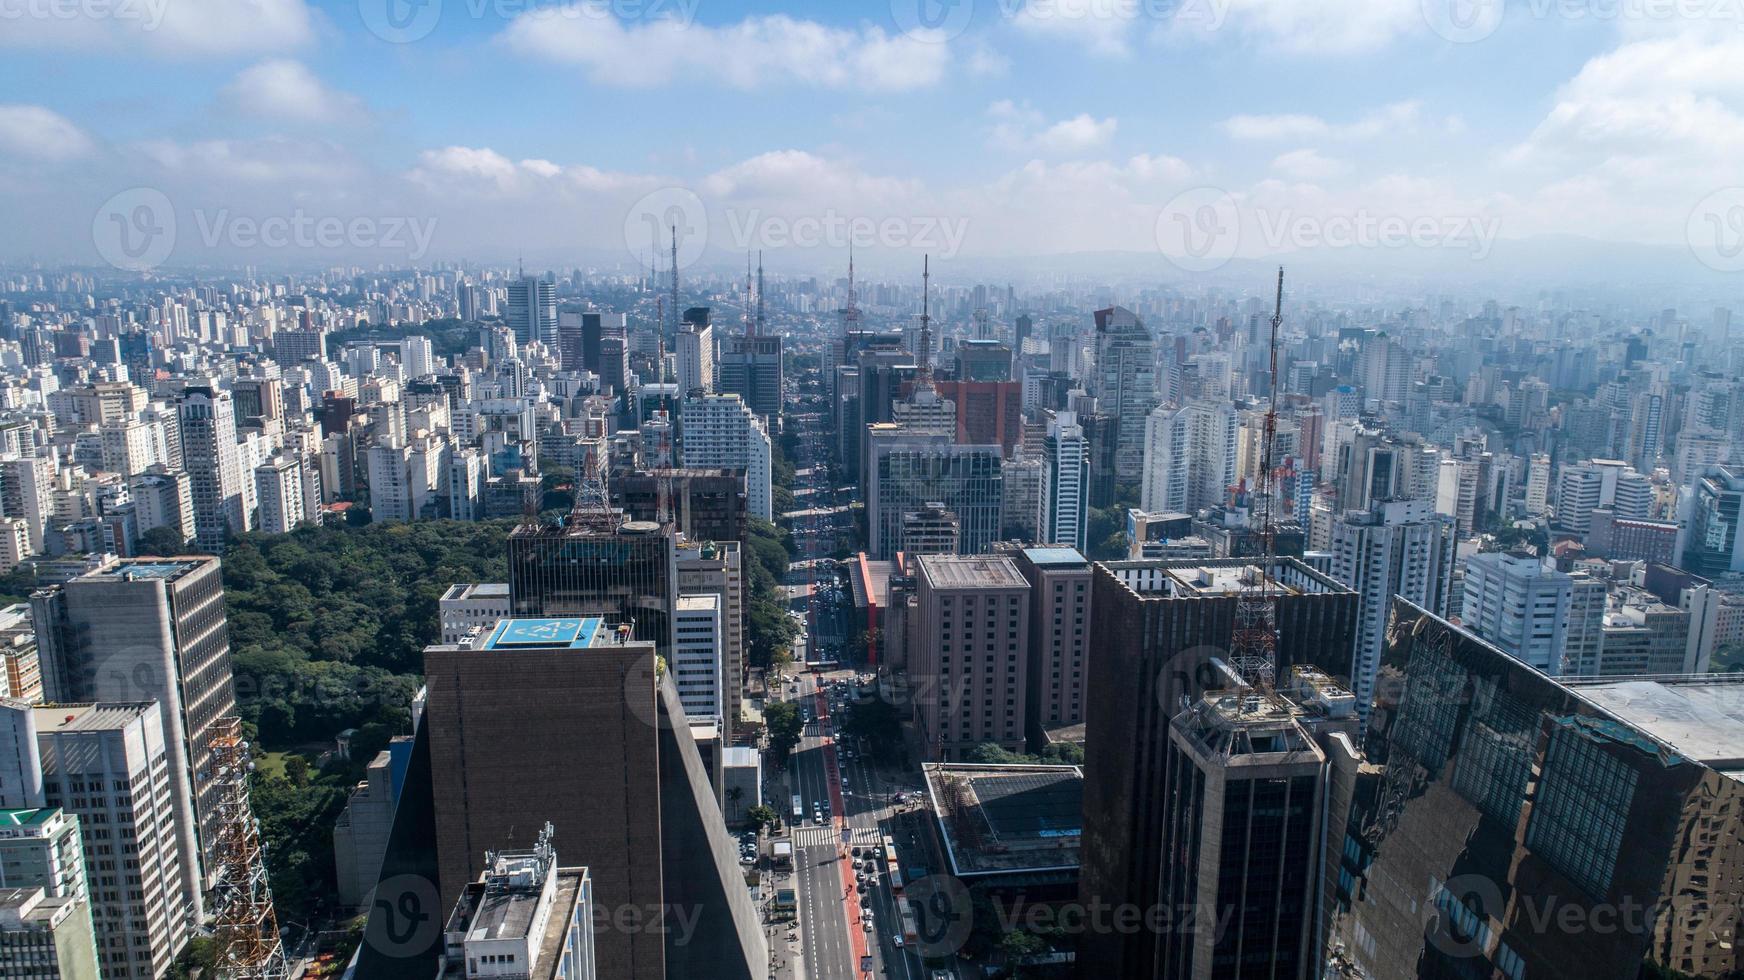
column 296, row 132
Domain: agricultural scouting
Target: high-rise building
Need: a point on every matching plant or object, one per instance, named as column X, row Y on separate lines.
column 624, row 573
column 360, row 833
column 696, row 356
column 40, row 846
column 1600, row 483
column 1399, row 547
column 932, row 530
column 523, row 917
column 1538, row 485
column 1645, row 636
column 1065, row 493
column 698, row 664
column 43, row 937
column 27, row 492
column 1125, row 385
column 1521, row 825
column 109, row 766
column 214, row 468
column 1514, row 601
column 703, row 505
column 567, row 720
column 750, row 367
column 907, row 471
column 970, row 643
column 532, row 311
column 278, row 487
column 714, row 567
column 1189, row 458
column 1708, row 513
column 1059, row 639
column 721, row 431
column 150, row 629
column 1158, row 625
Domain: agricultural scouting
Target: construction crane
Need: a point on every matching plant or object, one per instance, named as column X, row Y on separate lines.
column 247, row 930
column 1254, row 641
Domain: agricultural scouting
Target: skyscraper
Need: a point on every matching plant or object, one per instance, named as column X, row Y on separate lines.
column 721, row 431
column 750, row 367
column 1189, row 457
column 696, row 353
column 150, row 629
column 1397, row 547
column 970, row 644
column 1059, row 639
column 1125, row 384
column 622, row 571
column 1065, row 482
column 215, row 474
column 1517, row 603
column 532, row 311
column 908, row 471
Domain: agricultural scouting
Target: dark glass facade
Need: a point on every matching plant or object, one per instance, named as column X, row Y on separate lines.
column 1513, row 826
column 627, row 575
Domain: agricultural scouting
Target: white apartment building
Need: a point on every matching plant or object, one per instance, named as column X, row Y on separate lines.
column 1398, row 547
column 696, row 657
column 1516, row 603
column 1189, row 457
column 721, row 431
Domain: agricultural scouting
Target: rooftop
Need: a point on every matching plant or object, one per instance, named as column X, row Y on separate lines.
column 27, row 818
column 1008, row 819
column 971, row 572
column 164, row 568
column 477, row 590
column 543, row 634
column 89, row 717
column 1699, row 715
column 1055, row 556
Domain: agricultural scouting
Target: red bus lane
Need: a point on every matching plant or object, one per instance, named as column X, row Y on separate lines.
column 838, row 823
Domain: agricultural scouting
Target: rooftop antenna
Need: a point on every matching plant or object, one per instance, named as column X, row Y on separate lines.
column 675, row 313
column 759, row 291
column 926, row 334
column 750, row 328
column 851, row 312
column 1254, row 641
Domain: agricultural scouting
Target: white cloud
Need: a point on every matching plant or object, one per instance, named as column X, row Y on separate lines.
column 482, row 171
column 1100, row 26
column 754, row 53
column 1307, row 164
column 285, row 89
column 1321, row 27
column 1389, row 120
column 274, row 160
column 164, row 28
column 36, row 133
column 1019, row 127
column 804, row 180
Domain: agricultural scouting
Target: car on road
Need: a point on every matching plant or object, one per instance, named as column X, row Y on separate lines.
column 867, row 926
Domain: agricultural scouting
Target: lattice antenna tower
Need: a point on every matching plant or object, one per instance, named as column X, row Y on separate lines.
column 926, row 321
column 759, row 292
column 1254, row 641
column 247, row 930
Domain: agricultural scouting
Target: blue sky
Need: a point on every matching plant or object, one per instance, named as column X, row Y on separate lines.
column 1042, row 126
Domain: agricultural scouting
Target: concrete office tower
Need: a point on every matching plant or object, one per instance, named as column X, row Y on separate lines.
column 150, row 629
column 906, row 471
column 214, row 467
column 750, row 367
column 703, row 505
column 524, row 917
column 721, row 431
column 1538, row 485
column 625, row 573
column 715, row 568
column 932, row 530
column 1059, row 640
column 1708, row 516
column 1458, row 490
column 532, row 311
column 1586, row 624
column 1189, row 458
column 1517, row 603
column 278, row 488
column 1644, row 636
column 1399, row 547
column 1535, row 793
column 475, row 605
column 1601, row 483
column 697, row 661
column 970, row 643
column 1716, row 621
column 132, row 445
column 1260, row 807
column 40, row 847
column 1065, row 496
column 27, row 493
column 107, row 764
column 42, row 936
column 559, row 719
column 1157, row 626
column 696, row 359
column 1020, row 517
column 1125, row 385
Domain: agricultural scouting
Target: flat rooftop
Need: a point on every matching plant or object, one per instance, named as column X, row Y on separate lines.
column 89, row 717
column 1056, row 556
column 164, row 568
column 1699, row 715
column 1008, row 819
column 971, row 572
column 1191, row 577
column 477, row 590
column 543, row 634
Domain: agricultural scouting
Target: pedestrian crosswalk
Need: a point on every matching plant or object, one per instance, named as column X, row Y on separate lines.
column 816, row 836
